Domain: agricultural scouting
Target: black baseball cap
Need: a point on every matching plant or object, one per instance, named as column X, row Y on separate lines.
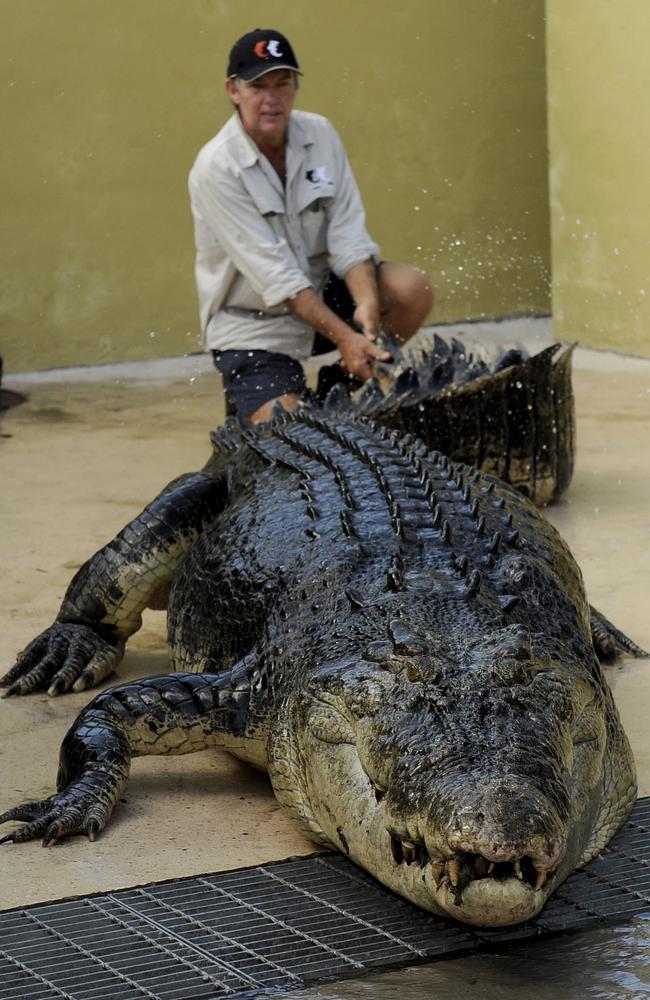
column 259, row 52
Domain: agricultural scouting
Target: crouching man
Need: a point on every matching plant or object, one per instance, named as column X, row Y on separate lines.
column 284, row 264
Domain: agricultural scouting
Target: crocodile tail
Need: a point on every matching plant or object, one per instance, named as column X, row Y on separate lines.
column 513, row 417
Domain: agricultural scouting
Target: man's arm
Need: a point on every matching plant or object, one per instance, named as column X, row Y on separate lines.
column 265, row 260
column 361, row 281
column 357, row 351
column 353, row 254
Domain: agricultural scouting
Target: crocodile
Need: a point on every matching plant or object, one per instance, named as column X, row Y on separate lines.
column 401, row 641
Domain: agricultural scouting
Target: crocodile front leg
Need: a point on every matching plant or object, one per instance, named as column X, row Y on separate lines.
column 103, row 605
column 172, row 714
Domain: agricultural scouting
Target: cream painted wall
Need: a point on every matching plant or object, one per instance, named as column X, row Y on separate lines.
column 599, row 134
column 104, row 105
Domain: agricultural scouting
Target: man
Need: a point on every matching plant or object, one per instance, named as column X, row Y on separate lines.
column 276, row 212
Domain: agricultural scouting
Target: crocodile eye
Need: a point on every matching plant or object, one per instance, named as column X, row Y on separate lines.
column 413, row 673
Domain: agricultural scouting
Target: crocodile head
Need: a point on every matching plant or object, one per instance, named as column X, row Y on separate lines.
column 468, row 777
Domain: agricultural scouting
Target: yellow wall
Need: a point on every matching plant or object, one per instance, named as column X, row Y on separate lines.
column 104, row 105
column 599, row 133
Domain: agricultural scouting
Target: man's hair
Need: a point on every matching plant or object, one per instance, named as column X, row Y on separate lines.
column 236, row 80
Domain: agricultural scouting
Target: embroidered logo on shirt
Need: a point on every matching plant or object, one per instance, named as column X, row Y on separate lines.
column 319, row 177
column 265, row 49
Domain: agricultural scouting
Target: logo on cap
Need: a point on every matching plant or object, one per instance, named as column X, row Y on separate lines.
column 264, row 49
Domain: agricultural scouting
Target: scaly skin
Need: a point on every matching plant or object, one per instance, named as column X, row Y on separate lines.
column 403, row 642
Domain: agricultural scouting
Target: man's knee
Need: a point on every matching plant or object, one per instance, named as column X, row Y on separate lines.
column 406, row 287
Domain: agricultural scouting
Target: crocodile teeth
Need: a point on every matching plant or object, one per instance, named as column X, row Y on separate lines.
column 540, row 882
column 453, row 871
column 458, row 871
column 437, row 871
column 409, row 851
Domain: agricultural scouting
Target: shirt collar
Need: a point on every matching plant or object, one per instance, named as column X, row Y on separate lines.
column 249, row 154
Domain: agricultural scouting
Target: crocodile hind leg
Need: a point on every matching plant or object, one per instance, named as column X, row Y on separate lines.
column 172, row 714
column 103, row 605
column 609, row 642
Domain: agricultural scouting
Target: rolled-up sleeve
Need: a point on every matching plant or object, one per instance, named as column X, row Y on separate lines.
column 264, row 258
column 348, row 241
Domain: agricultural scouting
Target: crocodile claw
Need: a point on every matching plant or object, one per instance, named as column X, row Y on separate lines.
column 64, row 656
column 85, row 807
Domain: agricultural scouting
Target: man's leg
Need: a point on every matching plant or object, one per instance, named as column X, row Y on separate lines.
column 255, row 380
column 264, row 412
column 406, row 299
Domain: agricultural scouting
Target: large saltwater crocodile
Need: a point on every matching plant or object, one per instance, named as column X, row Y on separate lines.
column 403, row 642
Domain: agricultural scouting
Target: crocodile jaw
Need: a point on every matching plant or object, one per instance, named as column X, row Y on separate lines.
column 343, row 812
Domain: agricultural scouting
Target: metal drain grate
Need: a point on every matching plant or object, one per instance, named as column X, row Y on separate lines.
column 274, row 927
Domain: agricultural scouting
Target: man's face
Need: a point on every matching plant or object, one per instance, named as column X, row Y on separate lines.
column 264, row 105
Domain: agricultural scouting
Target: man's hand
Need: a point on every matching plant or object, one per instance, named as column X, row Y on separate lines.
column 367, row 318
column 358, row 352
column 358, row 355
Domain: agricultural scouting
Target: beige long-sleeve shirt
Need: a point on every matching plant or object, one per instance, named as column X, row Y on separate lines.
column 259, row 244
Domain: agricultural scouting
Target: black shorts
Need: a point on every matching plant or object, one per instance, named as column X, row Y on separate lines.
column 251, row 378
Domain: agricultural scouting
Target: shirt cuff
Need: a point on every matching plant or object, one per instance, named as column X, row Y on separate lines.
column 340, row 264
column 276, row 294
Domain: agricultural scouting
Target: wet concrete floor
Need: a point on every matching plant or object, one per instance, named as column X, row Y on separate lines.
column 611, row 963
column 84, row 454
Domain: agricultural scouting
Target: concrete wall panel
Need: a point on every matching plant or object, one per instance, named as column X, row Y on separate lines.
column 599, row 134
column 104, row 106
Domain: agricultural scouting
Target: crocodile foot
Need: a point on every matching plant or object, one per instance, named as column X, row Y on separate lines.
column 64, row 656
column 83, row 807
column 93, row 770
column 609, row 642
